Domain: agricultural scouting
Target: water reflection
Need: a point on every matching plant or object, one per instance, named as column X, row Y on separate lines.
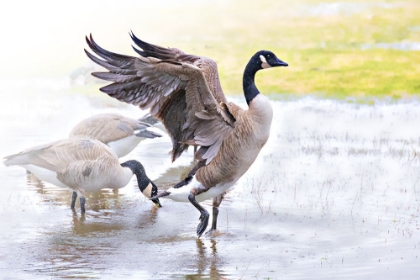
column 93, row 225
column 208, row 261
column 32, row 180
column 147, row 218
column 309, row 198
column 95, row 201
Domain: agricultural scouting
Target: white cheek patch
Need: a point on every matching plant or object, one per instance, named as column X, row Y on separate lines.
column 264, row 63
column 147, row 192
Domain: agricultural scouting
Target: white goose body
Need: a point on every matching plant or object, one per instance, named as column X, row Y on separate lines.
column 183, row 91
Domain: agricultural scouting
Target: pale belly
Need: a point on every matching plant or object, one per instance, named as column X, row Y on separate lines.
column 125, row 145
column 181, row 194
column 213, row 192
column 45, row 175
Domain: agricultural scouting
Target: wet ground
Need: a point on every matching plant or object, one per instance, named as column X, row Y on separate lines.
column 333, row 195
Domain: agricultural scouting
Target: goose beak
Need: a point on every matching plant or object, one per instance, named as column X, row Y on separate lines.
column 157, row 202
column 279, row 62
column 154, row 196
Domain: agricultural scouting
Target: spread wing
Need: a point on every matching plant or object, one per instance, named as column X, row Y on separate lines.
column 56, row 156
column 207, row 66
column 167, row 82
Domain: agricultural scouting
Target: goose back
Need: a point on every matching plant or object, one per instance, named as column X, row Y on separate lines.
column 107, row 127
column 82, row 164
column 120, row 133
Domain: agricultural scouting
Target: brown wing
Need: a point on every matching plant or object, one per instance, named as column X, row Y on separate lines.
column 176, row 92
column 57, row 155
column 206, row 65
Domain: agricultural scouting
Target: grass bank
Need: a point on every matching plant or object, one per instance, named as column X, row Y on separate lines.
column 335, row 49
column 358, row 48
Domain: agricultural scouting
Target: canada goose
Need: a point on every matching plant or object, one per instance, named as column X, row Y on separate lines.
column 184, row 92
column 82, row 165
column 120, row 133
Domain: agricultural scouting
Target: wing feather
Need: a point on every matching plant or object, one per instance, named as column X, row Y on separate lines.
column 173, row 86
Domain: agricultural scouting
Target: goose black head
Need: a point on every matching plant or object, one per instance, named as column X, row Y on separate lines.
column 260, row 60
column 146, row 186
column 268, row 59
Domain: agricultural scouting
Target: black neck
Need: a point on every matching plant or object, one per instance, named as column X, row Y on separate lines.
column 143, row 181
column 250, row 90
column 138, row 170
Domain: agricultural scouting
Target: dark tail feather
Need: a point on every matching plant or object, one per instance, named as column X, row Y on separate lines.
column 162, row 194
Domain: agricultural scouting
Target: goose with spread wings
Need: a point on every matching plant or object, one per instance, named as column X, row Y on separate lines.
column 183, row 91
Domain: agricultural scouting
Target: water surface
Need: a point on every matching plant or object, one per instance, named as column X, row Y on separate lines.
column 333, row 194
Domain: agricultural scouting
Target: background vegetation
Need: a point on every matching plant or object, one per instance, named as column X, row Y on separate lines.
column 335, row 49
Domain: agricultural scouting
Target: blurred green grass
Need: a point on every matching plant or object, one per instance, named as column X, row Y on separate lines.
column 334, row 49
column 331, row 46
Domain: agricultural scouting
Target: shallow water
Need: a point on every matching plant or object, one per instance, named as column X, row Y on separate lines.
column 333, row 194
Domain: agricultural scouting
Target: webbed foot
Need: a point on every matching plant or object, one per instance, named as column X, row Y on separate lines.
column 204, row 221
column 204, row 217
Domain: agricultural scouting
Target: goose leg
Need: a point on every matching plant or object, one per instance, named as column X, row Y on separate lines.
column 82, row 204
column 73, row 200
column 216, row 203
column 190, row 176
column 204, row 217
